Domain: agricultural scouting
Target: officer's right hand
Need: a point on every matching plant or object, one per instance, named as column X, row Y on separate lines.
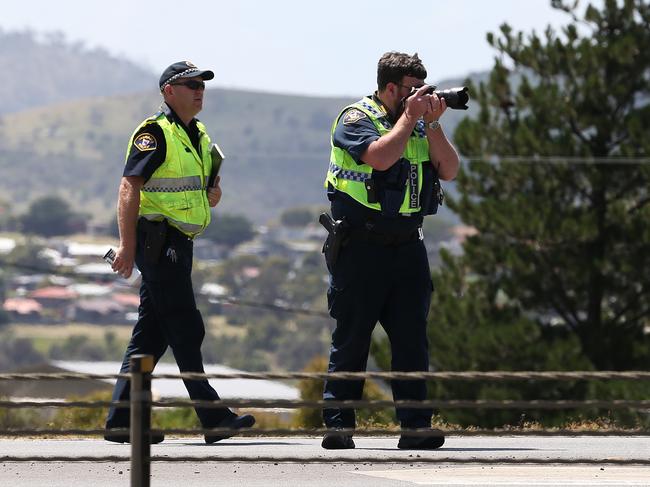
column 417, row 104
column 123, row 263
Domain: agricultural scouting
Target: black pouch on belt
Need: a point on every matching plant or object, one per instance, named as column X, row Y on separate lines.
column 431, row 194
column 154, row 240
column 394, row 188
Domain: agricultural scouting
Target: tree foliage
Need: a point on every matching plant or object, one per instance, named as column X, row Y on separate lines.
column 297, row 217
column 17, row 352
column 312, row 390
column 5, row 211
column 558, row 190
column 230, row 230
column 29, row 256
column 52, row 215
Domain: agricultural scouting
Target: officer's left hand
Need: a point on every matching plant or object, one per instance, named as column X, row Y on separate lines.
column 214, row 193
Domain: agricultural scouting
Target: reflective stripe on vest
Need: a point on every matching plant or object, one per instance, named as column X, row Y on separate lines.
column 174, row 185
column 186, row 228
column 347, row 176
column 339, row 172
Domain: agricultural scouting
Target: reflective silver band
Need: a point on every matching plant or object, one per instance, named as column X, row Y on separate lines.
column 173, row 185
column 188, row 228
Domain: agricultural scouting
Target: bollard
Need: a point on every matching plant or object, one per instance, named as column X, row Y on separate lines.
column 140, row 368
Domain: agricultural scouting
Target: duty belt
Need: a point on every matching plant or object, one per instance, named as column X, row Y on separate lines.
column 388, row 239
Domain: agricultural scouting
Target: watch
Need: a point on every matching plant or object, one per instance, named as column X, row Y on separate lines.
column 435, row 125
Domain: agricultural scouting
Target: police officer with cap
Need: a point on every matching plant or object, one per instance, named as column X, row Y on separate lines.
column 164, row 202
column 388, row 153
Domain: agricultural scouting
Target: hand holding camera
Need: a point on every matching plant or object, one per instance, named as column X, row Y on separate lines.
column 437, row 107
column 417, row 103
column 455, row 98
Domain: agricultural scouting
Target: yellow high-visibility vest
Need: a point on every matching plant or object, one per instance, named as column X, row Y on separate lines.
column 176, row 190
column 349, row 177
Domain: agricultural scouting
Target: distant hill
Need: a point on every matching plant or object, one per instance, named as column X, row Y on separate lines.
column 39, row 70
column 277, row 149
column 66, row 114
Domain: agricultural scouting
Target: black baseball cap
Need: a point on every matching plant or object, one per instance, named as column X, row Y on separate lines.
column 182, row 69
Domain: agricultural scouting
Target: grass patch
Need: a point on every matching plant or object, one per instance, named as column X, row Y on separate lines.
column 219, row 327
column 61, row 332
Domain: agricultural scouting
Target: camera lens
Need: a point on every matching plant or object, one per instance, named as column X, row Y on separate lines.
column 455, row 98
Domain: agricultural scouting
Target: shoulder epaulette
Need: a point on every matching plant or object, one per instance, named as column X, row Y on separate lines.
column 162, row 110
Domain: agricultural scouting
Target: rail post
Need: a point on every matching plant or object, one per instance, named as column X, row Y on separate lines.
column 140, row 368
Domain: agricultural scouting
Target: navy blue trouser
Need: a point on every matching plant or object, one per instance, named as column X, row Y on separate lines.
column 371, row 282
column 168, row 317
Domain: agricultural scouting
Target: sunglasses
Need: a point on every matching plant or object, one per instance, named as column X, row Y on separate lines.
column 192, row 84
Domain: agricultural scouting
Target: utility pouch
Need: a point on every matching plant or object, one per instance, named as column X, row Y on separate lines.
column 336, row 235
column 155, row 234
column 372, row 190
column 393, row 188
column 392, row 202
column 431, row 195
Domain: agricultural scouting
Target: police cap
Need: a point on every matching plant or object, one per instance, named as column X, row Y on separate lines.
column 182, row 69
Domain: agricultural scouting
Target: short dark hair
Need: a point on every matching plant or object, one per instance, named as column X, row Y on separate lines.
column 393, row 66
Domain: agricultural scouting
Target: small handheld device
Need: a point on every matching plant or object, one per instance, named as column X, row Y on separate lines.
column 134, row 279
column 217, row 158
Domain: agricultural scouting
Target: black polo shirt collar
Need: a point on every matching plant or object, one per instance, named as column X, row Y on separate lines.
column 192, row 130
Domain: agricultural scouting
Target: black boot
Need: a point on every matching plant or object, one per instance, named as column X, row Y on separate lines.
column 412, row 442
column 337, row 441
column 233, row 422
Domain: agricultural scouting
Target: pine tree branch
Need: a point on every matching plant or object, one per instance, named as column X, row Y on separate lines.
column 623, row 192
column 577, row 132
column 639, row 206
column 632, row 303
column 615, row 143
column 563, row 307
column 643, row 314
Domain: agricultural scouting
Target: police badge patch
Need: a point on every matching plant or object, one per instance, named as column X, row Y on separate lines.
column 353, row 115
column 145, row 142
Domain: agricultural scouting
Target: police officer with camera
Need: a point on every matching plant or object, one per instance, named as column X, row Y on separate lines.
column 389, row 151
column 165, row 196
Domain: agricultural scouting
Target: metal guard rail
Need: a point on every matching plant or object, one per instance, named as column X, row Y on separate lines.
column 375, row 404
column 469, row 376
column 141, row 403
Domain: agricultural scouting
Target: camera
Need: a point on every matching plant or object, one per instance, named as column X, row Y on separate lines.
column 455, row 98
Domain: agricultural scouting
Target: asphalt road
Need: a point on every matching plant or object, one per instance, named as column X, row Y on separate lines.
column 372, row 467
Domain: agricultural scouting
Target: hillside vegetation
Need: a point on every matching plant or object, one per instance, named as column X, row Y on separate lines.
column 67, row 112
column 277, row 149
column 46, row 68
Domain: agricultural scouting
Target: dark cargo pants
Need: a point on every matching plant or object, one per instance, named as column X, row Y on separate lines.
column 168, row 317
column 391, row 285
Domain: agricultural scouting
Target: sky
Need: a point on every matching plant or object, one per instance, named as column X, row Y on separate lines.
column 326, row 48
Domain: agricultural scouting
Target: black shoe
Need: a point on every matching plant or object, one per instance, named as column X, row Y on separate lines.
column 233, row 422
column 125, row 437
column 409, row 442
column 337, row 441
